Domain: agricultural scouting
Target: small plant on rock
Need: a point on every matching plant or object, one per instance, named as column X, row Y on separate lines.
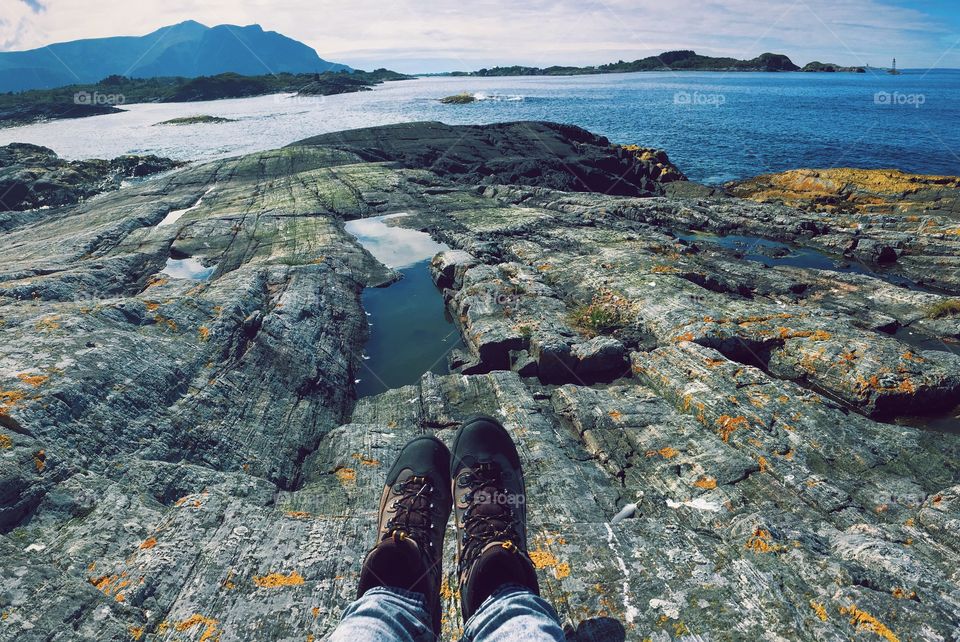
column 945, row 308
column 606, row 313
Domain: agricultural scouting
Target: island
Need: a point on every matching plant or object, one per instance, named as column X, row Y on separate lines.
column 110, row 94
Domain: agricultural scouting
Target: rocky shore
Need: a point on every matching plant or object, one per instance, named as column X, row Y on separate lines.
column 186, row 459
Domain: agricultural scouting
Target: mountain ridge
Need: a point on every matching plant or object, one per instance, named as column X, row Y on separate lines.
column 188, row 49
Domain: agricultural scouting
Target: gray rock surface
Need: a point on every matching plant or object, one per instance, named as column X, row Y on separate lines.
column 185, row 459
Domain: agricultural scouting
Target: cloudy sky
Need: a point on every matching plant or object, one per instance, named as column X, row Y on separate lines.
column 443, row 35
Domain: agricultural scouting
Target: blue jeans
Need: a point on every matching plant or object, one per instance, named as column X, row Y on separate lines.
column 512, row 614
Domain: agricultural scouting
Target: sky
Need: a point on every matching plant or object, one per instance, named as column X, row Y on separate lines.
column 445, row 35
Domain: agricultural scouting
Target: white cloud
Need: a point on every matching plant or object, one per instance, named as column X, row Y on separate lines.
column 415, row 35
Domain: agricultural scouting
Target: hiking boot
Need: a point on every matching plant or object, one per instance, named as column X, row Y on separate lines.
column 489, row 501
column 414, row 510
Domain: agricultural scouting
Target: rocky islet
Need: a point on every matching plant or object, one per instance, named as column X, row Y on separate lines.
column 186, row 459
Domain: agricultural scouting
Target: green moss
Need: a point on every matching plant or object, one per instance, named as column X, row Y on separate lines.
column 945, row 308
column 607, row 313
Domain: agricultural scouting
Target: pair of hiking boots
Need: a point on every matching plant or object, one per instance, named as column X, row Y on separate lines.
column 482, row 481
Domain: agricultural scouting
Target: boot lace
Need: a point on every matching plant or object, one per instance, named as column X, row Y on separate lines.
column 413, row 508
column 486, row 521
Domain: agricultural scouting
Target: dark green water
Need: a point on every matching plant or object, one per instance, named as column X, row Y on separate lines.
column 410, row 330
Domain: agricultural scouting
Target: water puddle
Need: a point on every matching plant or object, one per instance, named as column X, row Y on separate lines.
column 773, row 253
column 175, row 215
column 411, row 332
column 948, row 423
column 922, row 341
column 188, row 269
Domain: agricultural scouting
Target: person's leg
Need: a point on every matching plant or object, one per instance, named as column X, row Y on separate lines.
column 499, row 592
column 514, row 614
column 398, row 597
column 386, row 615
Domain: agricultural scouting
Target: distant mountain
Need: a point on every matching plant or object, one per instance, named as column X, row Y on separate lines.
column 188, row 49
column 684, row 60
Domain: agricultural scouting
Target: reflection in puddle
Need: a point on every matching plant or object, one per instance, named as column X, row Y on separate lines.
column 395, row 247
column 410, row 330
column 175, row 215
column 188, row 269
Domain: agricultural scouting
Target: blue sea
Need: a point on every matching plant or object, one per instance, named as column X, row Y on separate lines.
column 715, row 126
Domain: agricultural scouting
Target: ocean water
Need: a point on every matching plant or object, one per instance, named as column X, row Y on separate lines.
column 715, row 126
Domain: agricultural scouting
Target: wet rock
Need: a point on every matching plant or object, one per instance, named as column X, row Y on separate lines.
column 32, row 177
column 185, row 458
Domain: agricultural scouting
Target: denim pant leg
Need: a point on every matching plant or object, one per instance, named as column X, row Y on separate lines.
column 385, row 615
column 514, row 614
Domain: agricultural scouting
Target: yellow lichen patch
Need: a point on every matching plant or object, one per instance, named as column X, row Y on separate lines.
column 346, row 475
column 228, row 582
column 909, row 523
column 543, row 559
column 728, row 425
column 762, row 462
column 152, row 306
column 33, row 380
column 156, row 281
column 40, row 460
column 278, row 580
column 616, row 415
column 666, row 452
column 866, row 622
column 686, row 336
column 48, row 324
column 903, row 594
column 315, row 611
column 561, row 571
column 208, row 624
column 136, row 632
column 713, row 363
column 170, row 324
column 9, row 400
column 204, row 333
column 366, row 461
column 760, row 542
column 148, row 543
column 818, row 335
column 706, row 482
column 663, row 269
column 5, row 442
column 819, row 610
column 297, row 514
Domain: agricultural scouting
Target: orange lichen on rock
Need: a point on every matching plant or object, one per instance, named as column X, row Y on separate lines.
column 543, row 559
column 298, row 514
column 48, row 324
column 706, row 482
column 666, row 452
column 819, row 610
column 345, row 475
column 615, row 415
column 278, row 580
column 728, row 425
column 686, row 336
column 815, row 335
column 210, row 633
column 9, row 400
column 136, row 632
column 561, row 571
column 663, row 269
column 866, row 622
column 315, row 611
column 762, row 462
column 903, row 594
column 759, row 542
column 156, row 281
column 40, row 460
column 148, row 543
column 366, row 461
column 33, row 380
column 204, row 333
